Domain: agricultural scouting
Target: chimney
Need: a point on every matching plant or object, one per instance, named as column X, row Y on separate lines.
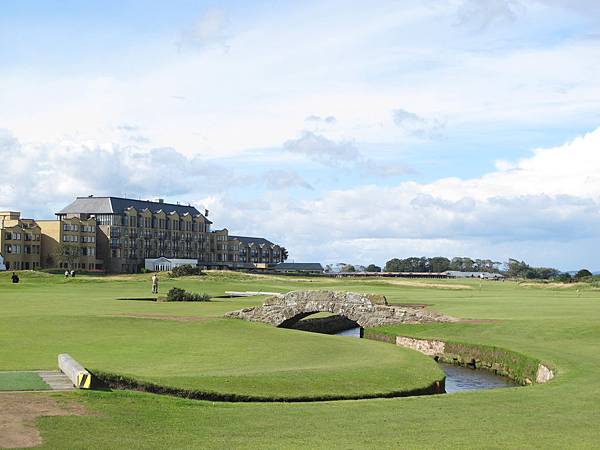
column 206, row 213
column 160, row 200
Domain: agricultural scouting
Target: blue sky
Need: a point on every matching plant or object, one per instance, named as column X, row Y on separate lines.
column 347, row 132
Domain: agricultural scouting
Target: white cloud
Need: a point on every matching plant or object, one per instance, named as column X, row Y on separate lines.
column 342, row 154
column 208, row 30
column 323, row 150
column 545, row 200
column 356, row 67
column 483, row 13
column 417, row 125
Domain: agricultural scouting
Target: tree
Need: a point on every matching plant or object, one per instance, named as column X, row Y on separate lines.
column 439, row 264
column 546, row 273
column 583, row 273
column 393, row 265
column 516, row 268
column 564, row 277
column 284, row 254
column 349, row 268
column 68, row 253
column 520, row 269
column 373, row 268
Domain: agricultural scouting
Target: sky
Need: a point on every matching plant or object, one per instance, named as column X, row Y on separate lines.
column 346, row 131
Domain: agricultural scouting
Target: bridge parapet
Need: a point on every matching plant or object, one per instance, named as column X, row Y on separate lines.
column 368, row 310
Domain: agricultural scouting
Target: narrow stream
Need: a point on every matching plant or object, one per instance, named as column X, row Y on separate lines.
column 458, row 378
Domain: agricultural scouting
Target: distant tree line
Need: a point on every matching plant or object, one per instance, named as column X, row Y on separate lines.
column 520, row 269
column 441, row 264
column 513, row 268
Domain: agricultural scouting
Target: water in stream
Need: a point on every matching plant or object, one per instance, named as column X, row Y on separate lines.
column 459, row 378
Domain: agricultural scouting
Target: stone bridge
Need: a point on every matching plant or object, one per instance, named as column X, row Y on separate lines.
column 367, row 310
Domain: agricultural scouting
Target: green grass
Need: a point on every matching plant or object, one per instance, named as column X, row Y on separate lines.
column 559, row 326
column 21, row 381
column 228, row 357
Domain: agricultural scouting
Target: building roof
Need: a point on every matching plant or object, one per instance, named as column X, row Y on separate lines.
column 312, row 267
column 116, row 205
column 252, row 240
column 459, row 274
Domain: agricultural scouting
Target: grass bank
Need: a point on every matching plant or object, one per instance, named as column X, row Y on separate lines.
column 558, row 326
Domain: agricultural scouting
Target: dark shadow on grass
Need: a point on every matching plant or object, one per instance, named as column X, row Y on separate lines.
column 120, row 382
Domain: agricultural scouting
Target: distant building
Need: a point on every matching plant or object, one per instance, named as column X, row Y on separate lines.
column 20, row 241
column 69, row 243
column 163, row 264
column 480, row 275
column 257, row 251
column 307, row 268
column 117, row 234
column 129, row 232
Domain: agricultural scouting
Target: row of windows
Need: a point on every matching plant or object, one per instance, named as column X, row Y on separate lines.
column 12, row 236
column 83, row 266
column 17, row 249
column 151, row 222
column 22, row 265
column 164, row 224
column 82, row 228
column 84, row 239
column 81, row 251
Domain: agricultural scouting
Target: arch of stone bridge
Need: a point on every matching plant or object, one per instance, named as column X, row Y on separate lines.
column 293, row 315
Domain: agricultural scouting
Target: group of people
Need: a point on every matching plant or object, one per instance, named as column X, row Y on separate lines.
column 15, row 279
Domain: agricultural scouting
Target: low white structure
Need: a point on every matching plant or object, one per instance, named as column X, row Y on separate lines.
column 481, row 275
column 2, row 266
column 80, row 377
column 163, row 264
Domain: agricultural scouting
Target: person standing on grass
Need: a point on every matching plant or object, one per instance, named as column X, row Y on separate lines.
column 155, row 284
column 14, row 278
column 66, row 274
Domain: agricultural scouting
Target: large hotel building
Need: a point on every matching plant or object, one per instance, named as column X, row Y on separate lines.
column 115, row 235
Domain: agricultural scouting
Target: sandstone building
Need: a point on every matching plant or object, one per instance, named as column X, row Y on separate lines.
column 130, row 231
column 116, row 234
column 69, row 243
column 20, row 241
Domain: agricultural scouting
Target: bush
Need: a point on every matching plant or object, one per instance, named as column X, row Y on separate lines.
column 582, row 274
column 181, row 295
column 184, row 271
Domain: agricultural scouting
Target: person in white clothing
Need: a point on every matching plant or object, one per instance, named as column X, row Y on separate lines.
column 155, row 284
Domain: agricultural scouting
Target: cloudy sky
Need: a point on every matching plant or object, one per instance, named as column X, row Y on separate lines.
column 348, row 132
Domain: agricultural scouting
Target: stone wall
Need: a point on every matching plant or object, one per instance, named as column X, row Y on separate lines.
column 367, row 310
column 425, row 346
column 500, row 361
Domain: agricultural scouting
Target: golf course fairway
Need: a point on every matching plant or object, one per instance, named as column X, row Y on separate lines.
column 190, row 346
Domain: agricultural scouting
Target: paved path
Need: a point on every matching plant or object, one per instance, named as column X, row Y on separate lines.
column 252, row 293
column 57, row 381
